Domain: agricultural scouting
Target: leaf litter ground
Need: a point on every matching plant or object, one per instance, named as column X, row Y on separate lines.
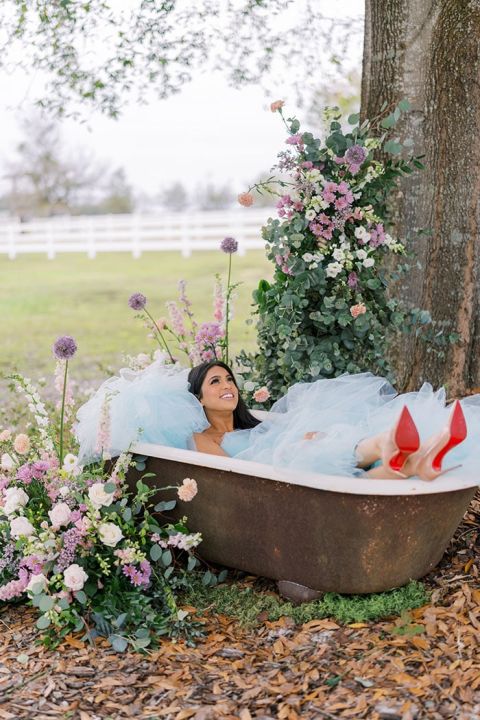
column 423, row 664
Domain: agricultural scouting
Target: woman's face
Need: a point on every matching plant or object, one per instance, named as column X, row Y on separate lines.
column 219, row 391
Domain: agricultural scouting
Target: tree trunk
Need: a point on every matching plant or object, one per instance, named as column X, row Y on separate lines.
column 429, row 53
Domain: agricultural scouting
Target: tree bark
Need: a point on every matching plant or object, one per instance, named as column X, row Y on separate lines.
column 429, row 53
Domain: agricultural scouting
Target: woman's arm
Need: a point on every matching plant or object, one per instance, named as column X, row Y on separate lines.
column 204, row 444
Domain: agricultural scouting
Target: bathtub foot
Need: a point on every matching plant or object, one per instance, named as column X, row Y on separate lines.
column 297, row 593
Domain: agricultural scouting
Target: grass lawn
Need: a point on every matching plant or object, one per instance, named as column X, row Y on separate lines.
column 41, row 299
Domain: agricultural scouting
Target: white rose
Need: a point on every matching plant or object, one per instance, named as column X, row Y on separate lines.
column 307, row 257
column 37, row 580
column 368, row 262
column 21, row 526
column 249, row 386
column 110, row 534
column 74, row 577
column 338, row 254
column 310, row 214
column 361, row 254
column 15, row 498
column 7, row 462
column 60, row 514
column 98, row 497
column 333, row 269
column 389, row 241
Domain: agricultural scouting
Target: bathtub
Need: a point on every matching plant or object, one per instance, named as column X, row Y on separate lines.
column 311, row 532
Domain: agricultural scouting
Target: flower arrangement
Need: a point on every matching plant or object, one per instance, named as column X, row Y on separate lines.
column 79, row 544
column 327, row 310
column 197, row 342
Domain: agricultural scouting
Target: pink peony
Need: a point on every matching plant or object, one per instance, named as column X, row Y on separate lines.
column 246, row 199
column 277, row 105
column 261, row 395
column 357, row 310
column 21, row 444
column 187, row 490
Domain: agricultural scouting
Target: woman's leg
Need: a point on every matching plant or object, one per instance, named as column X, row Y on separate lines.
column 369, row 450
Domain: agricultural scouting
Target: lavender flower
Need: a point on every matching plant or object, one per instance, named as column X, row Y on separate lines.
column 352, row 280
column 64, row 347
column 229, row 245
column 137, row 301
column 71, row 538
column 356, row 155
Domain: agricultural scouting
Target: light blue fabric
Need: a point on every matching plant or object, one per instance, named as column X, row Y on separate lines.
column 155, row 405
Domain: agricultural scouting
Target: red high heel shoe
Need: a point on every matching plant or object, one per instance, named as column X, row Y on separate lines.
column 429, row 464
column 405, row 440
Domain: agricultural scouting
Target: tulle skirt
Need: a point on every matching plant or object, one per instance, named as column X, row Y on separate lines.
column 155, row 406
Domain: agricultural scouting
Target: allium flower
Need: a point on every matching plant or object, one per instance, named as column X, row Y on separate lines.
column 277, row 105
column 187, row 490
column 137, row 301
column 246, row 199
column 357, row 310
column 356, row 155
column 21, row 444
column 261, row 395
column 64, row 347
column 229, row 245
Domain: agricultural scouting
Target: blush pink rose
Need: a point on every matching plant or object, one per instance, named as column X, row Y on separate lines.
column 21, row 444
column 187, row 490
column 246, row 199
column 357, row 310
column 276, row 105
column 261, row 395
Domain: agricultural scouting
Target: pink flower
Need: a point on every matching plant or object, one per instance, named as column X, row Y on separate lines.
column 21, row 444
column 176, row 318
column 277, row 105
column 357, row 310
column 187, row 490
column 246, row 199
column 261, row 395
column 294, row 140
column 5, row 435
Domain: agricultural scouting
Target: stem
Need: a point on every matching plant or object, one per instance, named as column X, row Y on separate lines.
column 227, row 303
column 63, row 413
column 161, row 336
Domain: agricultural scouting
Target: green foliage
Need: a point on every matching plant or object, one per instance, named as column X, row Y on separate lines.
column 247, row 604
column 327, row 311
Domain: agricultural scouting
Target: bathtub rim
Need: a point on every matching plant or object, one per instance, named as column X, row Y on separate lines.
column 333, row 483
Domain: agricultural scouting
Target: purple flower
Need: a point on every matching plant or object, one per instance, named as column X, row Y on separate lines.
column 352, row 280
column 138, row 577
column 208, row 334
column 137, row 301
column 64, row 348
column 356, row 155
column 229, row 245
column 71, row 538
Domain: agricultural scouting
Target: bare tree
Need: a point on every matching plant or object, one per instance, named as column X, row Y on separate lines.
column 43, row 179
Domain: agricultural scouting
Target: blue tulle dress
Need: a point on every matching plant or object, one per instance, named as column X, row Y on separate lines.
column 155, row 406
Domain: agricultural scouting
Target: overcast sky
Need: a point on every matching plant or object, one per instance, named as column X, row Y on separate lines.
column 207, row 131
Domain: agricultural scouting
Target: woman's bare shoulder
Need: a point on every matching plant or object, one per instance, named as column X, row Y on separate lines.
column 206, row 444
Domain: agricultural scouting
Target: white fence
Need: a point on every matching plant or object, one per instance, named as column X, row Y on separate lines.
column 184, row 232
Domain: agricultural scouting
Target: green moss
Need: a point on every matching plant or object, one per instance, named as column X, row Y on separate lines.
column 246, row 604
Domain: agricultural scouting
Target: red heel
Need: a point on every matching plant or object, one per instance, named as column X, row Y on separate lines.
column 406, row 439
column 457, row 428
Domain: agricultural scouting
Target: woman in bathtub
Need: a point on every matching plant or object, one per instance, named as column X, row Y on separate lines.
column 350, row 425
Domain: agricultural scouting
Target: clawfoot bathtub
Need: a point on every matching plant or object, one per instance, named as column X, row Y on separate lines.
column 311, row 531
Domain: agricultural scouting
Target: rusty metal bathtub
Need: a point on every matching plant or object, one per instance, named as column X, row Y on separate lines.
column 327, row 533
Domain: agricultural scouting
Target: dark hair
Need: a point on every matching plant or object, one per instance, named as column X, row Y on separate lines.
column 242, row 417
